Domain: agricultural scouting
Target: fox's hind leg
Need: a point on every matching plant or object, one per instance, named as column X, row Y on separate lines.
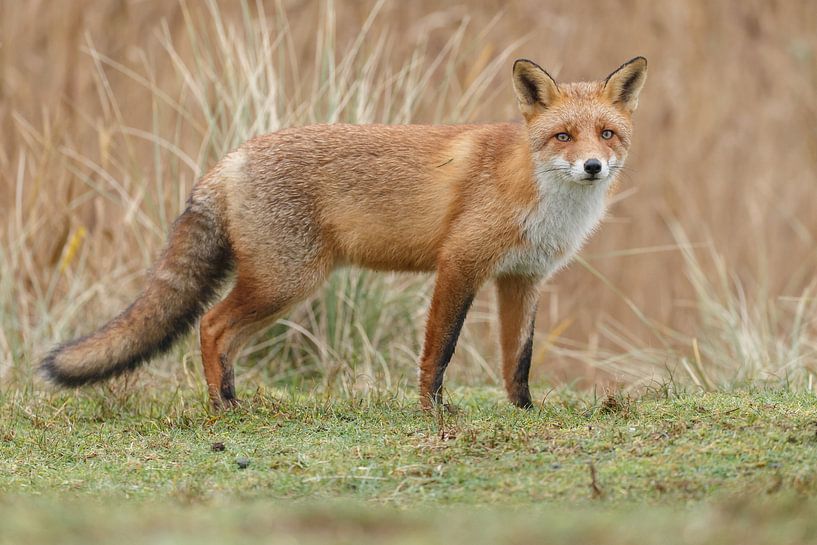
column 223, row 330
column 247, row 309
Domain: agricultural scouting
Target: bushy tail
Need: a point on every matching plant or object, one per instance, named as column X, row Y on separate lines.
column 193, row 265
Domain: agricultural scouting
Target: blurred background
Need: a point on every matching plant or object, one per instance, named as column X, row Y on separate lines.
column 703, row 273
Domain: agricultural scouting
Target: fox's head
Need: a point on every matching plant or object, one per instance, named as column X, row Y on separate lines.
column 579, row 132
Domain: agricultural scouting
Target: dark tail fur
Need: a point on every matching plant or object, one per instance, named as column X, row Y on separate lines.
column 193, row 265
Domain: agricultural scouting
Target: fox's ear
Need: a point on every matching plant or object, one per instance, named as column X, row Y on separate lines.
column 623, row 85
column 535, row 89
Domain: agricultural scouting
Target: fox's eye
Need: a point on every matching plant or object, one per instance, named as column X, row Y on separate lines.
column 607, row 134
column 563, row 137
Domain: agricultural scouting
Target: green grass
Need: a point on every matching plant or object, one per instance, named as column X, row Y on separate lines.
column 352, row 463
column 782, row 521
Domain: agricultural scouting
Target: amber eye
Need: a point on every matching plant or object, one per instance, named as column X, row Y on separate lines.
column 607, row 134
column 563, row 137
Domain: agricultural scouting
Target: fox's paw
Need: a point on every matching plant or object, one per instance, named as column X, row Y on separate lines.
column 433, row 407
column 225, row 404
column 523, row 402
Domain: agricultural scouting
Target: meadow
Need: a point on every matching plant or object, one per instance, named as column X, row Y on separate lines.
column 692, row 308
column 298, row 467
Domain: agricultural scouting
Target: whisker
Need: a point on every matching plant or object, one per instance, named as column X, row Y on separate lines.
column 565, row 170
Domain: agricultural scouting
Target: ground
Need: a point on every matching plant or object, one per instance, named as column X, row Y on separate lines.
column 298, row 467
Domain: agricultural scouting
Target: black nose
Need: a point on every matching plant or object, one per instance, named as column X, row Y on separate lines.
column 592, row 166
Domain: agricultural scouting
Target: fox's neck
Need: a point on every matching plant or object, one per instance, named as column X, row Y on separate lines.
column 507, row 153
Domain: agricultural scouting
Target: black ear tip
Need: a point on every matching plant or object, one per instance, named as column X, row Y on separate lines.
column 518, row 62
column 639, row 59
column 527, row 63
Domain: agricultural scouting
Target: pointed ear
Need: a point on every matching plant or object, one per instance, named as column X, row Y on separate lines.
column 623, row 85
column 535, row 89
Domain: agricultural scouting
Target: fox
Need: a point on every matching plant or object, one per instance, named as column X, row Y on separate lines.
column 509, row 203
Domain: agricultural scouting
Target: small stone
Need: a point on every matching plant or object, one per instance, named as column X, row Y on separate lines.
column 218, row 447
column 243, row 462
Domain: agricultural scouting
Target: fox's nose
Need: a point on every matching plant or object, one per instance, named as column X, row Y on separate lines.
column 592, row 166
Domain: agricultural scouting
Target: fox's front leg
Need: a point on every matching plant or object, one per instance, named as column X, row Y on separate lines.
column 454, row 290
column 517, row 297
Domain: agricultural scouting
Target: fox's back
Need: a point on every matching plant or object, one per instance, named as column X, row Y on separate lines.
column 384, row 195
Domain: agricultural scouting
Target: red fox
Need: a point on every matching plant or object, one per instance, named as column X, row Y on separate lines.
column 509, row 202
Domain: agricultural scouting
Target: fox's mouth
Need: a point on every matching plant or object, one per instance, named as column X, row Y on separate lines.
column 588, row 180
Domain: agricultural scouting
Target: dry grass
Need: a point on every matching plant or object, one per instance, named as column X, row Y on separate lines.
column 112, row 109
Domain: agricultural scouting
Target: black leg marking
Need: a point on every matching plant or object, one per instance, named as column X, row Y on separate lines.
column 520, row 377
column 227, row 380
column 448, row 351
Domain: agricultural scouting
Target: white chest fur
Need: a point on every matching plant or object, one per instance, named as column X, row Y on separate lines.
column 555, row 229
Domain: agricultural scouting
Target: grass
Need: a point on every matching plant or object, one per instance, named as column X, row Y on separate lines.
column 782, row 519
column 386, row 450
column 348, row 461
